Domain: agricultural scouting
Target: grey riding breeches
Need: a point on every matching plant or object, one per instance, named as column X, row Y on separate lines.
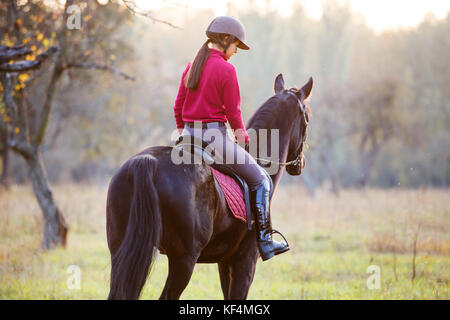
column 232, row 154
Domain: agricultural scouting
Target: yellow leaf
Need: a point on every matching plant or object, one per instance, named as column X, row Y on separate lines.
column 46, row 42
column 29, row 57
column 33, row 48
column 40, row 37
column 19, row 22
column 17, row 87
column 16, row 130
column 23, row 77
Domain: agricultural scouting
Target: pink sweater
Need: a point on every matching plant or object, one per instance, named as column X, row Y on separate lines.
column 216, row 98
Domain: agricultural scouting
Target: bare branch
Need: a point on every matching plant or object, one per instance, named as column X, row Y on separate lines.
column 46, row 108
column 131, row 6
column 13, row 53
column 24, row 65
column 85, row 65
column 51, row 88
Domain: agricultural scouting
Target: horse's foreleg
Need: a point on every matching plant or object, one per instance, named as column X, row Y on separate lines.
column 180, row 272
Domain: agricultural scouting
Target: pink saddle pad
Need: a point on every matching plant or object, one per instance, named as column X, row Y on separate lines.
column 233, row 194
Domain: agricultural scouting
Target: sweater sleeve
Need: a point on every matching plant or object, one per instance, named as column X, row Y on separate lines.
column 232, row 104
column 179, row 101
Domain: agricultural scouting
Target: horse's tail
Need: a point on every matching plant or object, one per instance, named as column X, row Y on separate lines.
column 131, row 263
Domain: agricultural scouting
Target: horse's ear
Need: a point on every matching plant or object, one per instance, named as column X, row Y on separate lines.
column 306, row 89
column 279, row 84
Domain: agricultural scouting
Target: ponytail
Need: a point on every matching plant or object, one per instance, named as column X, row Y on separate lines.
column 194, row 73
column 192, row 77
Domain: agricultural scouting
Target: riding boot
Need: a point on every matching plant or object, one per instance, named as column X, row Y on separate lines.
column 266, row 245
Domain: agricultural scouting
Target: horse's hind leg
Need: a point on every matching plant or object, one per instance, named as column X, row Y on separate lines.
column 242, row 268
column 242, row 273
column 180, row 272
column 225, row 279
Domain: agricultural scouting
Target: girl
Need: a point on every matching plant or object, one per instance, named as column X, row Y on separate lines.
column 209, row 93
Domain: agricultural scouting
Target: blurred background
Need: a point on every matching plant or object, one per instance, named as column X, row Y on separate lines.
column 380, row 103
column 380, row 129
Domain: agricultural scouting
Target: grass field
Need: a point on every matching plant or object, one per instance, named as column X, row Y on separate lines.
column 333, row 239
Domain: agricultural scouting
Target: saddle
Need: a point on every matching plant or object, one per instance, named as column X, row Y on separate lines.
column 233, row 186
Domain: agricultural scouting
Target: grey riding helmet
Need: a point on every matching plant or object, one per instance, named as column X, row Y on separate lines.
column 228, row 25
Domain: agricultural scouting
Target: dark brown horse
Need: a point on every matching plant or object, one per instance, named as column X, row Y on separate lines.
column 153, row 203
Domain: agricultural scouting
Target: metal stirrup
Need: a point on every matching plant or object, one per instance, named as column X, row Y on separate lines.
column 276, row 231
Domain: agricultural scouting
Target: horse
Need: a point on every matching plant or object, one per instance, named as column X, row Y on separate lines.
column 153, row 204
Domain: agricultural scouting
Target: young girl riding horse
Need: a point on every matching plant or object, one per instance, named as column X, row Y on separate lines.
column 209, row 93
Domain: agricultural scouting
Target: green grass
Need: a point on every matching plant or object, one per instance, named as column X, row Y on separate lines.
column 333, row 240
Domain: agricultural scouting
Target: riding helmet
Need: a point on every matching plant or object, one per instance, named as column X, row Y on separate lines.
column 228, row 25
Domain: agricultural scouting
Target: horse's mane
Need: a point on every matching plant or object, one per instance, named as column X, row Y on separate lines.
column 264, row 115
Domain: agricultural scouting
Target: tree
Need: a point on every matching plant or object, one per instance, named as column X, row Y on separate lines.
column 4, row 155
column 374, row 111
column 35, row 32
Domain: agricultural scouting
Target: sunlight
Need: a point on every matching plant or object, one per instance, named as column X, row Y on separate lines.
column 379, row 15
column 388, row 14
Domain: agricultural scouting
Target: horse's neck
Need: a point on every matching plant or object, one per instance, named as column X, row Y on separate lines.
column 284, row 134
column 283, row 151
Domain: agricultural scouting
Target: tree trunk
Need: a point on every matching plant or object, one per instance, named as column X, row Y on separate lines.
column 4, row 179
column 335, row 187
column 55, row 226
column 368, row 160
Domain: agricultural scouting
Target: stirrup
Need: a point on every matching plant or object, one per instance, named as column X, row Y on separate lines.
column 278, row 232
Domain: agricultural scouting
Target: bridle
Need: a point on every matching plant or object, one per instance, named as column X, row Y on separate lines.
column 298, row 160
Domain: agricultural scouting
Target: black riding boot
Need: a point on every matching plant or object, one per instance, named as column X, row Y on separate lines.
column 266, row 245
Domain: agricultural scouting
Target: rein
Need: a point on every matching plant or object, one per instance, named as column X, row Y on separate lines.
column 297, row 161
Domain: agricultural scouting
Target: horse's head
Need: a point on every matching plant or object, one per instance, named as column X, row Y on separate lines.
column 295, row 98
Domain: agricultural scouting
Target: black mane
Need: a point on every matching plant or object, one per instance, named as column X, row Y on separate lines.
column 264, row 115
column 268, row 112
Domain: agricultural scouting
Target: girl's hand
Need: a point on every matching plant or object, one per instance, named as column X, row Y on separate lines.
column 247, row 147
column 240, row 141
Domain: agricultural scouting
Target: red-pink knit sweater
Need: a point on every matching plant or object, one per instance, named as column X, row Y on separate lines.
column 216, row 98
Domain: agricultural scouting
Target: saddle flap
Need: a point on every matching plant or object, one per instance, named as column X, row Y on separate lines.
column 227, row 170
